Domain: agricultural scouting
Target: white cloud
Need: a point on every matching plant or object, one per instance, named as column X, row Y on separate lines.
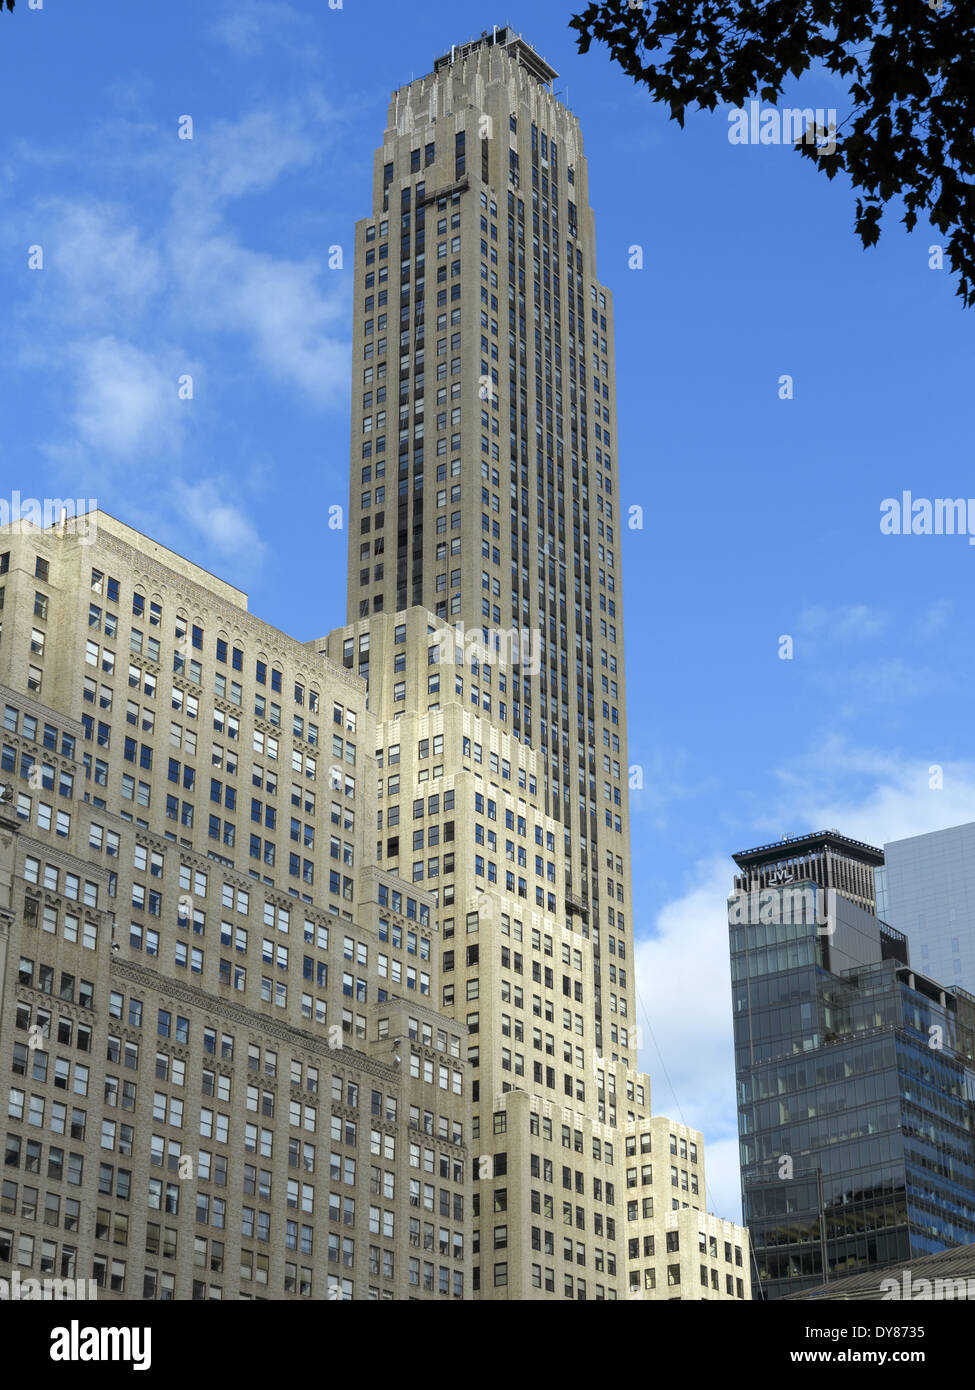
column 229, row 159
column 294, row 327
column 293, row 314
column 933, row 619
column 154, row 272
column 869, row 794
column 247, row 27
column 683, row 983
column 125, row 399
column 239, row 29
column 212, row 508
column 853, row 623
column 104, row 267
column 875, row 795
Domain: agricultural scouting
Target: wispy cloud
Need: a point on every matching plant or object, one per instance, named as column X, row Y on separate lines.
column 105, row 269
column 852, row 623
column 278, row 308
column 125, row 399
column 869, row 659
column 248, row 27
column 209, row 508
column 154, row 270
column 666, row 777
column 229, row 159
column 932, row 620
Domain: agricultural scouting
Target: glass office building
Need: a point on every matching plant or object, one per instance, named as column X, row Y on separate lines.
column 927, row 889
column 856, row 1074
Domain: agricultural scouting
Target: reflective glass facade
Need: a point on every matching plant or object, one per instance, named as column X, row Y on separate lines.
column 858, row 1070
column 927, row 889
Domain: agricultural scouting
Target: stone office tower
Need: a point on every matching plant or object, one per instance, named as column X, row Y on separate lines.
column 484, row 474
column 485, row 611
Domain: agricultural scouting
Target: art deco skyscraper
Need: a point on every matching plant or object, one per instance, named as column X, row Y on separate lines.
column 484, row 475
column 485, row 611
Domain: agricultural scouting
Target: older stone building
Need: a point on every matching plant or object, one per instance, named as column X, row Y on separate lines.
column 214, row 1090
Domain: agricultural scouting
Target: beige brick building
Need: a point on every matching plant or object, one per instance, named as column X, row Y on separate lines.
column 212, row 1091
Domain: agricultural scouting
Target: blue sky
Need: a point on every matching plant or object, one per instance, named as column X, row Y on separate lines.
column 210, row 257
